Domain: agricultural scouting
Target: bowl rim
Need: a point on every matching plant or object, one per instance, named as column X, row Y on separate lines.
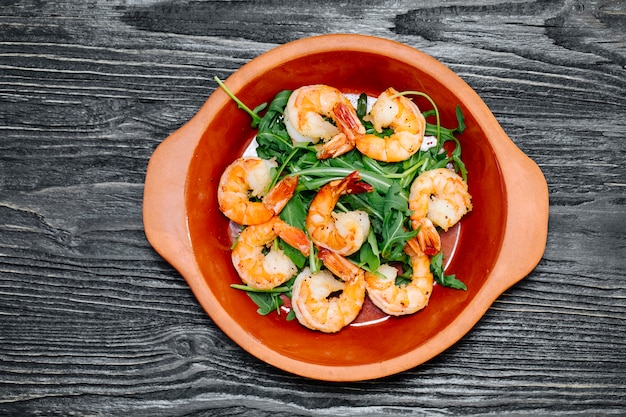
column 165, row 212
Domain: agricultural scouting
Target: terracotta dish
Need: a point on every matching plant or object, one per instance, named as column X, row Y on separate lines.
column 494, row 247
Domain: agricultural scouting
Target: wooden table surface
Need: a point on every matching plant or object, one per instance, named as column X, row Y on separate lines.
column 93, row 322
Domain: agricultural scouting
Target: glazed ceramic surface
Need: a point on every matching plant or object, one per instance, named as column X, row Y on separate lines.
column 493, row 247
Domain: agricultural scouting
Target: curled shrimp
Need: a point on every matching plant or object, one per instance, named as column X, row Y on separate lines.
column 265, row 271
column 306, row 119
column 314, row 295
column 343, row 232
column 248, row 177
column 438, row 197
column 399, row 113
column 397, row 300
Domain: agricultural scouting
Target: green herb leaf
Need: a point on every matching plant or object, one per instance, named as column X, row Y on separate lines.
column 369, row 254
column 395, row 200
column 272, row 137
column 295, row 212
column 266, row 302
column 361, row 105
column 292, row 253
column 460, row 119
column 395, row 236
column 436, row 267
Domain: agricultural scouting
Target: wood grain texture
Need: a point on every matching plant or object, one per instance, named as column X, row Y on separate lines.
column 94, row 323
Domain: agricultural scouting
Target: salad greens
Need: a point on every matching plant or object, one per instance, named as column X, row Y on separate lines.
column 387, row 205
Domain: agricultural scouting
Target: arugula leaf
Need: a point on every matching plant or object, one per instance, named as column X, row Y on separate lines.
column 272, row 137
column 404, row 278
column 361, row 106
column 294, row 213
column 436, row 267
column 395, row 200
column 292, row 253
column 395, row 232
column 460, row 119
column 267, row 302
column 395, row 236
column 369, row 254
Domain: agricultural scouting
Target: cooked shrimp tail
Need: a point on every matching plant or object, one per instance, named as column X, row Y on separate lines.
column 336, row 146
column 428, row 237
column 278, row 197
column 413, row 247
column 294, row 237
column 339, row 265
column 352, row 184
column 348, row 122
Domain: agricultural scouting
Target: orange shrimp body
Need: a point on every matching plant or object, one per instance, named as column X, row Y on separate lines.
column 307, row 115
column 314, row 295
column 265, row 271
column 397, row 300
column 403, row 116
column 248, row 177
column 342, row 232
column 441, row 195
column 438, row 197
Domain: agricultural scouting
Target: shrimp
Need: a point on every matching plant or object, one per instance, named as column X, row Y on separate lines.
column 265, row 271
column 403, row 116
column 397, row 300
column 306, row 119
column 342, row 232
column 314, row 298
column 248, row 177
column 438, row 197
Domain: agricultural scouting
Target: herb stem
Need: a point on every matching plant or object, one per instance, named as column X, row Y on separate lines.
column 276, row 290
column 331, row 173
column 255, row 117
column 281, row 169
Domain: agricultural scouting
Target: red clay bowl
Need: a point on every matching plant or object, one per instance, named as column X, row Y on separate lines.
column 496, row 245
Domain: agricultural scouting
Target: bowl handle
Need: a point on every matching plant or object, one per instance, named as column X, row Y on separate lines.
column 526, row 229
column 164, row 210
